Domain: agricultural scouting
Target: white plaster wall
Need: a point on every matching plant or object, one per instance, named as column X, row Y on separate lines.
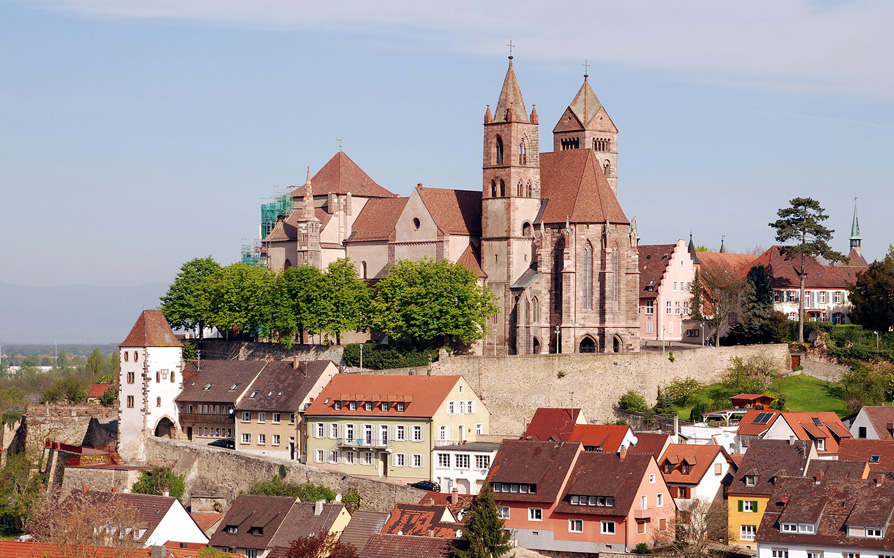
column 375, row 254
column 177, row 526
column 159, row 359
column 709, row 487
column 863, row 420
column 448, row 477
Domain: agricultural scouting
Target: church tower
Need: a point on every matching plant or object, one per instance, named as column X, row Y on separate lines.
column 587, row 125
column 309, row 251
column 856, row 253
column 510, row 195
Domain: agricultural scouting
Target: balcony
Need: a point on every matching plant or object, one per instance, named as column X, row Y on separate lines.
column 205, row 418
column 365, row 443
column 644, row 514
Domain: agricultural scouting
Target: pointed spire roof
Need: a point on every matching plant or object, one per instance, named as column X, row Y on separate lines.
column 693, row 253
column 722, row 246
column 341, row 175
column 511, row 106
column 309, row 213
column 151, row 330
column 855, row 224
column 585, row 103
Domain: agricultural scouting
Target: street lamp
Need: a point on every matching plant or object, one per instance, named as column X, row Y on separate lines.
column 876, row 340
column 558, row 347
column 703, row 334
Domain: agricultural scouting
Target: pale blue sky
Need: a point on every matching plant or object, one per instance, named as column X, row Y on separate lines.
column 136, row 135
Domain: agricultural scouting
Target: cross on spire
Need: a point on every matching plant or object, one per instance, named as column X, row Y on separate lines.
column 510, row 45
column 339, row 144
column 586, row 66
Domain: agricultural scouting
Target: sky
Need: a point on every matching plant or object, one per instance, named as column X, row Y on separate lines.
column 137, row 135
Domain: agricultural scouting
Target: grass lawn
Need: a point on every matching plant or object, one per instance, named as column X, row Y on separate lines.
column 806, row 393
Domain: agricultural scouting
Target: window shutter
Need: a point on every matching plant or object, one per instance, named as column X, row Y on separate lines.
column 754, row 506
column 741, row 505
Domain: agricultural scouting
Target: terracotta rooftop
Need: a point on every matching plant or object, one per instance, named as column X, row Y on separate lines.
column 377, row 219
column 576, row 189
column 721, row 261
column 287, row 229
column 541, row 464
column 550, row 424
column 362, row 525
column 341, row 175
column 882, row 419
column 755, row 422
column 767, row 460
column 97, row 390
column 878, row 453
column 403, row 546
column 652, row 443
column 424, row 520
column 605, row 474
column 653, row 261
column 458, row 507
column 252, row 521
column 454, row 211
column 151, row 330
column 422, row 395
column 600, row 437
column 784, row 272
column 819, row 425
column 32, row 549
column 206, row 520
column 510, row 105
column 471, row 259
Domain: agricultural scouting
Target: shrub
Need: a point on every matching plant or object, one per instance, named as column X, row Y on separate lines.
column 633, row 401
column 159, row 480
column 682, row 390
column 642, row 548
column 749, row 376
column 381, row 357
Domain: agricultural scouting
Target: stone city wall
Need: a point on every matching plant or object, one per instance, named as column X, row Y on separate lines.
column 219, row 349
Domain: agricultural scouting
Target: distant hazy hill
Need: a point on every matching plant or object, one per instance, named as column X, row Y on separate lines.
column 74, row 313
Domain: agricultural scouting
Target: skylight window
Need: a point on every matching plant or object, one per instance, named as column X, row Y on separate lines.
column 255, row 393
column 874, row 458
column 816, row 421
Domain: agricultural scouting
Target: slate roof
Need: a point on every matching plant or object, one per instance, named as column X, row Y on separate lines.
column 282, row 387
column 454, row 211
column 341, row 175
column 551, row 424
column 543, row 464
column 652, row 265
column 576, row 189
column 300, row 521
column 362, row 525
column 882, row 419
column 783, row 272
column 600, row 437
column 833, row 505
column 700, row 459
column 151, row 330
column 219, row 381
column 605, row 474
column 768, row 459
column 650, row 442
column 423, row 395
column 402, row 546
column 377, row 219
column 252, row 511
column 853, row 449
column 424, row 520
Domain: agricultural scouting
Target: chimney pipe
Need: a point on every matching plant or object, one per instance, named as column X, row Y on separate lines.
column 295, row 362
column 318, row 507
column 879, row 480
column 623, row 453
column 454, row 496
column 819, row 477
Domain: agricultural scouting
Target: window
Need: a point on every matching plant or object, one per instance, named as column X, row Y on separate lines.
column 819, row 554
column 246, row 416
column 320, row 456
column 806, row 528
column 821, row 297
column 470, row 407
column 400, row 432
column 131, row 377
column 669, row 307
column 401, row 407
column 189, row 408
column 450, row 408
column 129, row 400
column 337, row 405
column 874, row 533
column 746, row 532
column 321, row 430
column 417, row 460
column 789, row 527
column 417, row 433
column 644, row 502
column 677, row 307
column 400, row 460
column 748, row 506
column 262, row 439
column 126, row 358
column 246, row 438
column 276, row 417
column 333, row 456
column 821, row 444
column 662, row 524
column 333, row 430
column 587, row 298
column 504, row 512
column 779, row 553
column 575, row 525
column 836, row 297
column 640, row 527
column 385, row 406
column 607, row 528
column 368, row 406
column 851, row 555
column 482, row 461
column 479, row 429
column 535, row 514
column 443, row 433
column 350, row 458
column 352, row 406
column 276, row 439
column 659, row 501
column 158, row 401
column 462, row 461
column 718, row 469
column 443, row 460
column 367, row 458
column 750, row 480
column 291, row 418
column 262, row 417
column 652, row 478
column 349, row 432
column 650, row 307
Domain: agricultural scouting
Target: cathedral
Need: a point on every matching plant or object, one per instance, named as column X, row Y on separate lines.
column 545, row 232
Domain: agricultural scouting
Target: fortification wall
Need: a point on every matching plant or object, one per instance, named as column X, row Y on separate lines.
column 219, row 349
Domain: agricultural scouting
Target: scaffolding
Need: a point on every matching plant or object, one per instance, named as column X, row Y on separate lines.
column 252, row 253
column 277, row 207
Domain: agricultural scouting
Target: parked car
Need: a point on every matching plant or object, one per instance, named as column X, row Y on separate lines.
column 427, row 485
column 223, row 443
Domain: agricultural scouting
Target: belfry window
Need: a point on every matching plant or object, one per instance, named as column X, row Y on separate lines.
column 522, row 153
column 499, row 150
column 588, row 278
column 520, row 190
column 502, row 189
column 493, row 189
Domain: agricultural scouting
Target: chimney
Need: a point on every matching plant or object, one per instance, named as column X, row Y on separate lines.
column 819, row 477
column 157, row 552
column 879, row 480
column 623, row 453
column 454, row 496
column 166, row 493
column 114, row 489
column 318, row 507
column 295, row 362
column 85, row 489
column 791, row 440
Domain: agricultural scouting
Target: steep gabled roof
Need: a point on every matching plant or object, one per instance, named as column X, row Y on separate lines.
column 882, row 419
column 549, row 424
column 341, row 175
column 151, row 330
column 698, row 457
column 454, row 211
column 653, row 261
column 511, row 105
column 576, row 189
column 302, row 521
column 605, row 474
column 733, row 264
column 605, row 437
column 249, row 512
column 287, row 229
column 377, row 219
column 282, row 387
column 542, row 464
column 652, row 443
column 766, row 460
column 471, row 259
column 423, row 395
column 805, row 427
column 423, row 520
column 784, row 272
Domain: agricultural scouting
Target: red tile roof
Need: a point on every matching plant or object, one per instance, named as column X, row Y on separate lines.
column 747, row 426
column 422, row 520
column 721, row 261
column 878, row 453
column 653, row 261
column 287, row 229
column 650, row 442
column 552, row 424
column 882, row 419
column 423, row 395
column 472, row 260
column 576, row 189
column 784, row 272
column 341, row 175
column 454, row 211
column 97, row 390
column 151, row 330
column 463, row 501
column 600, row 437
column 605, row 474
column 264, row 514
column 403, row 546
column 542, row 464
column 206, row 520
column 377, row 219
column 31, row 549
column 830, row 428
column 699, row 459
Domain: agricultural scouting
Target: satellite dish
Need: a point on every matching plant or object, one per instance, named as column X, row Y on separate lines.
column 338, row 497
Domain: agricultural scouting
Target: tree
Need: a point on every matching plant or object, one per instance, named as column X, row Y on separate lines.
column 19, row 489
column 345, row 299
column 68, row 389
column 159, row 480
column 872, row 296
column 633, row 401
column 424, row 300
column 802, row 222
column 865, row 384
column 324, row 544
column 720, row 290
column 757, row 308
column 94, row 363
column 187, row 303
column 295, row 302
column 703, row 521
column 238, row 294
column 308, row 492
column 484, row 535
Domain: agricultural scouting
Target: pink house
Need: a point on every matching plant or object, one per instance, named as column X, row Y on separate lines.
column 666, row 272
column 557, row 497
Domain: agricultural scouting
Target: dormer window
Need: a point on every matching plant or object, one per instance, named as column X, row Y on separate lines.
column 337, row 405
column 385, row 406
column 668, row 467
column 686, row 467
column 256, row 531
column 369, row 406
column 750, row 480
column 820, row 444
column 874, row 533
column 352, row 406
column 232, row 529
column 789, row 527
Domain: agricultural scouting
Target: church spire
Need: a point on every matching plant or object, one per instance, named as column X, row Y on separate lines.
column 511, row 106
column 855, row 229
column 585, row 103
column 309, row 213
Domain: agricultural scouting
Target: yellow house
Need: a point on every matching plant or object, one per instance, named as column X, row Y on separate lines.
column 389, row 426
column 751, row 488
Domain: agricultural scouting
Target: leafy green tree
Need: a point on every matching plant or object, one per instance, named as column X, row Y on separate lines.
column 68, row 389
column 485, row 535
column 802, row 222
column 872, row 296
column 866, row 385
column 187, row 304
column 296, row 301
column 344, row 301
column 109, row 396
column 19, row 489
column 682, row 390
column 159, row 480
column 634, row 401
column 752, row 375
column 94, row 363
column 424, row 300
column 238, row 294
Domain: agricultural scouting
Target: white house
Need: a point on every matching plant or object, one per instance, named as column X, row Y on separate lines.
column 873, row 423
column 695, row 472
column 463, row 466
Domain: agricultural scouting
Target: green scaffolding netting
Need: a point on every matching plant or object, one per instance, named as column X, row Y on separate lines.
column 272, row 211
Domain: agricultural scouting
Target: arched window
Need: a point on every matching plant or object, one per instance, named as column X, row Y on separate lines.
column 607, row 168
column 522, row 153
column 587, row 298
column 535, row 317
column 288, row 264
column 502, row 188
column 526, row 229
column 535, row 349
column 363, row 269
column 499, row 150
column 617, row 344
column 529, row 190
column 493, row 189
column 520, row 190
column 587, row 345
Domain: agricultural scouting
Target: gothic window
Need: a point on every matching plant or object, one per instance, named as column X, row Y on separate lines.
column 288, row 264
column 607, row 168
column 522, row 153
column 558, row 262
column 617, row 345
column 526, row 230
column 363, row 269
column 587, row 345
column 535, row 316
column 529, row 190
column 502, row 189
column 493, row 189
column 616, row 285
column 520, row 189
column 499, row 150
column 588, row 277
